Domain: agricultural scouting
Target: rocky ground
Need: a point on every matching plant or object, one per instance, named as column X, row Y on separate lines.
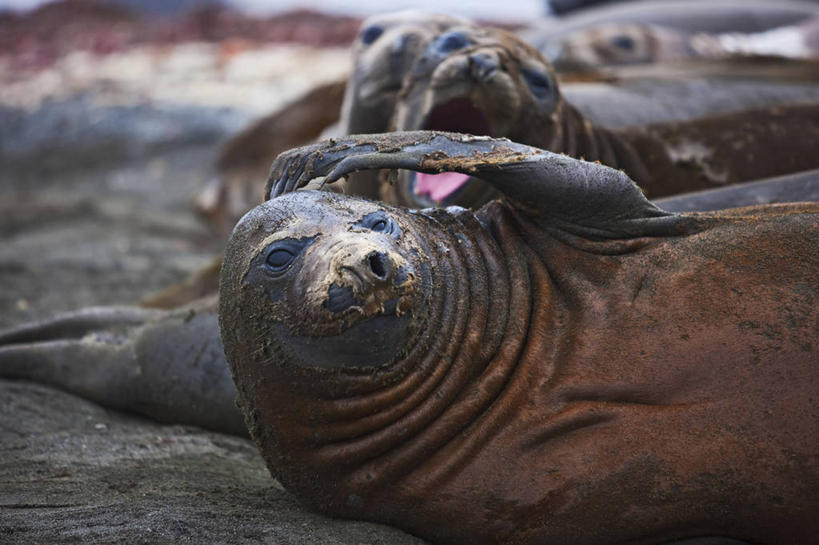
column 73, row 472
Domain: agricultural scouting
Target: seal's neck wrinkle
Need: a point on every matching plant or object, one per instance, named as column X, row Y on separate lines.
column 358, row 427
column 487, row 287
column 447, row 356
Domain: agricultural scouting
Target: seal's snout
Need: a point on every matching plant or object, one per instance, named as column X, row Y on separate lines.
column 368, row 267
column 369, row 272
column 482, row 66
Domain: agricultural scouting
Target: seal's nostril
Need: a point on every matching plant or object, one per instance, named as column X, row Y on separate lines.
column 379, row 265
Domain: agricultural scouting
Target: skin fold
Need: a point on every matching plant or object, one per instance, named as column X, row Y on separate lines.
column 569, row 365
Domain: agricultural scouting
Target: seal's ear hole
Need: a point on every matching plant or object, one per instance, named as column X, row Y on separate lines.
column 371, row 34
column 539, row 83
column 380, row 222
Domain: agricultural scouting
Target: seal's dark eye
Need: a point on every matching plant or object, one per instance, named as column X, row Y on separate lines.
column 281, row 254
column 626, row 43
column 279, row 259
column 380, row 223
column 451, row 41
column 539, row 84
column 371, row 34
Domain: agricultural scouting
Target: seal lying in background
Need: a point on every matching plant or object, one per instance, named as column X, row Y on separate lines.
column 569, row 365
column 487, row 81
column 711, row 16
column 638, row 43
column 170, row 365
column 386, row 48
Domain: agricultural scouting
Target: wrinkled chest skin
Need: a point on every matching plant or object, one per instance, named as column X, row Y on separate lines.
column 548, row 389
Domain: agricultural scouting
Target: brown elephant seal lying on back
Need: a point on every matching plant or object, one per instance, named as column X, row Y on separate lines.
column 169, row 365
column 487, row 81
column 568, row 365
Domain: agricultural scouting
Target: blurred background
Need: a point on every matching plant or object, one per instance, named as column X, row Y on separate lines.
column 513, row 9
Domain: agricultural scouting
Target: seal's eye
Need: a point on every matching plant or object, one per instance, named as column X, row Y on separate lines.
column 380, row 223
column 279, row 259
column 626, row 43
column 371, row 34
column 281, row 254
column 451, row 41
column 539, row 83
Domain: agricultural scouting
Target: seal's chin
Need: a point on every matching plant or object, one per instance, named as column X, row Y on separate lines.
column 374, row 342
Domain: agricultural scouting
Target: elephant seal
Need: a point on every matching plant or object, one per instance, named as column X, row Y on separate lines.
column 568, row 365
column 169, row 365
column 488, row 82
column 385, row 51
column 614, row 44
column 712, row 16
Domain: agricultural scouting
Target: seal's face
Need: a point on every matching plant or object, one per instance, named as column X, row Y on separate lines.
column 385, row 49
column 609, row 44
column 333, row 285
column 477, row 81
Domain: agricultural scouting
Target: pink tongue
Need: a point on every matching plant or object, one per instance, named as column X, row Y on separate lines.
column 438, row 187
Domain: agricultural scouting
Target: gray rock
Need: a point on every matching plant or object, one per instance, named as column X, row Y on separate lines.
column 75, row 472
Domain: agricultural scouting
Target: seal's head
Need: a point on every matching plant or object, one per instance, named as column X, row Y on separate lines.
column 326, row 284
column 612, row 44
column 478, row 81
column 385, row 50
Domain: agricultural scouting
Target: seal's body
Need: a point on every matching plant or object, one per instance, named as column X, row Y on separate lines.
column 571, row 365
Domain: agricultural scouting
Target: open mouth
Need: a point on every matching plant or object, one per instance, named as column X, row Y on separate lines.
column 458, row 115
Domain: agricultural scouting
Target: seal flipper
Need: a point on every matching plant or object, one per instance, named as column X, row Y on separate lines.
column 587, row 199
column 169, row 366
